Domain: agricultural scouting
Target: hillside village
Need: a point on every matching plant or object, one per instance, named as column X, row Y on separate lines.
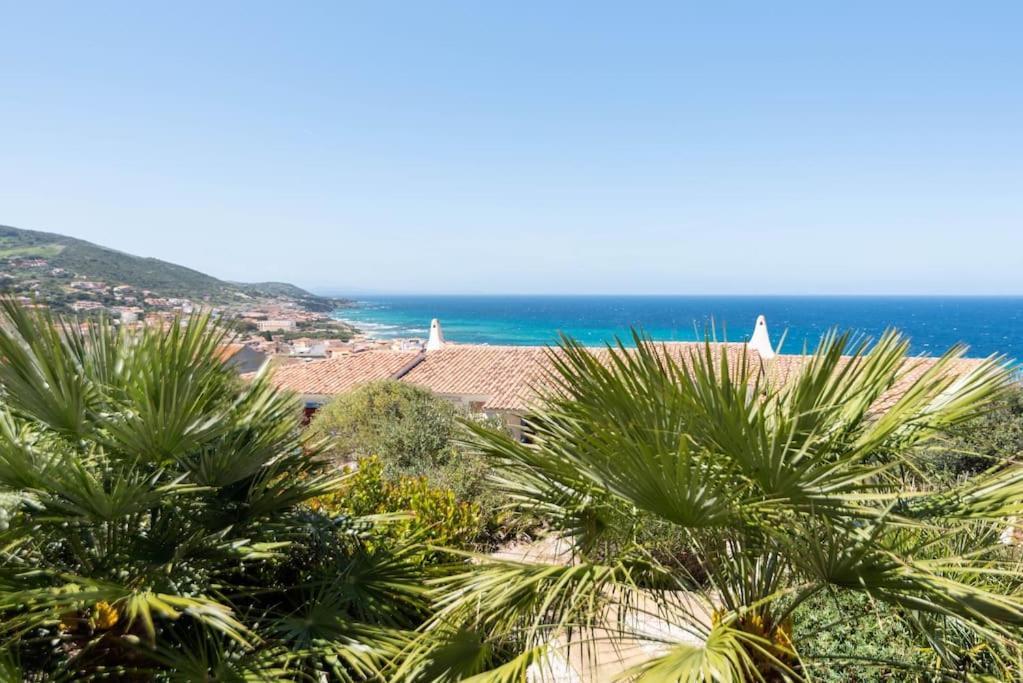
column 273, row 321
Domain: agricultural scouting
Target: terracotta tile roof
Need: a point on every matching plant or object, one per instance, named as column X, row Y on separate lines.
column 500, row 375
column 340, row 374
column 686, row 353
column 226, row 351
column 506, row 377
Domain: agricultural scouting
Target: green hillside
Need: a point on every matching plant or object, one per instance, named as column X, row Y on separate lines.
column 90, row 261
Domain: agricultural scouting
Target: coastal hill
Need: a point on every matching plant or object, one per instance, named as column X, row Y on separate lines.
column 43, row 265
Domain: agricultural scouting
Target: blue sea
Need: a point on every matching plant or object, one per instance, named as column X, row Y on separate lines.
column 989, row 325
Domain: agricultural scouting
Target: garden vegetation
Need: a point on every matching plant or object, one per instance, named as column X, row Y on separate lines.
column 789, row 503
column 163, row 520
column 156, row 525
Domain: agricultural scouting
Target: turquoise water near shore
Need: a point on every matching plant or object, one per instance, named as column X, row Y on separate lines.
column 988, row 324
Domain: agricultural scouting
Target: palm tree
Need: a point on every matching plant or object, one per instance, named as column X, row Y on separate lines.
column 706, row 497
column 153, row 519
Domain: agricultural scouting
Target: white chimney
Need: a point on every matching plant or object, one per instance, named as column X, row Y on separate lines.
column 761, row 341
column 436, row 340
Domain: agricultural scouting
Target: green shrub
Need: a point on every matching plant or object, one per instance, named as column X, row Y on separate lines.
column 839, row 632
column 412, row 434
column 406, row 427
column 843, row 635
column 435, row 515
column 994, row 437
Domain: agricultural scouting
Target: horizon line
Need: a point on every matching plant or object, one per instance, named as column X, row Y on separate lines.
column 983, row 295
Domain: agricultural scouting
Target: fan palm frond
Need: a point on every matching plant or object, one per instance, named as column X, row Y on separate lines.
column 153, row 518
column 782, row 478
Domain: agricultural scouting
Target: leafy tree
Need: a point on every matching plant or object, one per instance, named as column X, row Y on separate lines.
column 407, row 427
column 155, row 525
column 412, row 434
column 783, row 493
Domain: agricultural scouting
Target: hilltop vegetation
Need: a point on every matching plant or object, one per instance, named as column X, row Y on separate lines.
column 85, row 260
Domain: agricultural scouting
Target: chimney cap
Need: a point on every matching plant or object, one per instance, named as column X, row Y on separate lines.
column 761, row 340
column 436, row 340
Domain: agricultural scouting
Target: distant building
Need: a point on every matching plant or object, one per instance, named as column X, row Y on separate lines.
column 242, row 357
column 128, row 314
column 275, row 325
column 86, row 306
column 156, row 320
column 89, row 286
column 309, row 348
column 407, row 345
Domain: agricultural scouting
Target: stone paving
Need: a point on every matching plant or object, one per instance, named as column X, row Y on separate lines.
column 647, row 628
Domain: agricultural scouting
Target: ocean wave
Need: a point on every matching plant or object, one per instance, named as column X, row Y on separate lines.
column 362, row 324
column 369, row 324
column 367, row 305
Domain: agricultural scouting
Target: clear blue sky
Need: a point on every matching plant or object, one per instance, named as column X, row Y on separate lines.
column 527, row 147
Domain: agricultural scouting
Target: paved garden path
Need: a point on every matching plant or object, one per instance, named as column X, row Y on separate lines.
column 647, row 628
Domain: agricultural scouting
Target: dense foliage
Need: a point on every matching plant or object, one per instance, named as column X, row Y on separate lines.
column 847, row 637
column 161, row 520
column 992, row 438
column 785, row 493
column 434, row 515
column 412, row 433
column 156, row 526
column 407, row 427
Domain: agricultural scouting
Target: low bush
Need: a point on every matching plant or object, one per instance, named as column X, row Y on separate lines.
column 846, row 636
column 995, row 436
column 406, row 427
column 412, row 435
column 843, row 636
column 434, row 515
